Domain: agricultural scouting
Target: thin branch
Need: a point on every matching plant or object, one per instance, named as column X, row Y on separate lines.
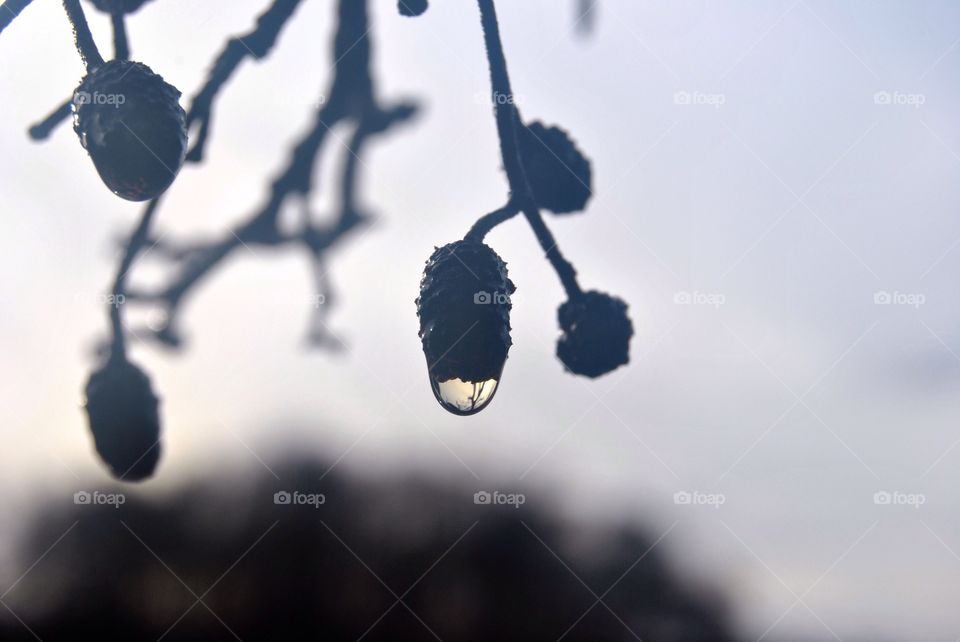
column 43, row 129
column 489, row 221
column 350, row 98
column 256, row 44
column 86, row 47
column 586, row 16
column 137, row 240
column 9, row 10
column 506, row 113
column 121, row 51
column 121, row 46
column 563, row 267
column 508, row 123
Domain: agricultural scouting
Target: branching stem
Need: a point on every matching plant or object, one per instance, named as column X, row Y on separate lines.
column 43, row 129
column 348, row 100
column 489, row 221
column 256, row 44
column 86, row 47
column 140, row 235
column 121, row 51
column 10, row 10
column 508, row 123
column 121, row 47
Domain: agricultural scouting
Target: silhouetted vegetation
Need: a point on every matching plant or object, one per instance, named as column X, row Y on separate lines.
column 269, row 571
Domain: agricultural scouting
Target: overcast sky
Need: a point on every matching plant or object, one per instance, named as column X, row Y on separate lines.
column 776, row 198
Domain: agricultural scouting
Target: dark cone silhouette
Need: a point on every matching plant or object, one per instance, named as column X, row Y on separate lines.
column 118, row 6
column 130, row 122
column 411, row 7
column 596, row 334
column 558, row 173
column 464, row 309
column 124, row 418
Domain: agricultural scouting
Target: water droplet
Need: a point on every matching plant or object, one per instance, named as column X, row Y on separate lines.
column 464, row 397
column 158, row 320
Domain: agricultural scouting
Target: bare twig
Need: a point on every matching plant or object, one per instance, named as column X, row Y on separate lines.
column 350, row 99
column 121, row 47
column 86, row 47
column 121, row 51
column 489, row 221
column 9, row 10
column 508, row 123
column 45, row 127
column 134, row 245
column 256, row 44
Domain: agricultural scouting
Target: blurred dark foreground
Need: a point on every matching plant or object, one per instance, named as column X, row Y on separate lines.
column 381, row 559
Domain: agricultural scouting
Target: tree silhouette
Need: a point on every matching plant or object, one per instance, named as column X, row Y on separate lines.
column 397, row 558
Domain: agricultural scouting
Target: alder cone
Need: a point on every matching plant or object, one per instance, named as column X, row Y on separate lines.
column 118, row 6
column 123, row 414
column 558, row 173
column 130, row 122
column 464, row 311
column 596, row 334
column 411, row 8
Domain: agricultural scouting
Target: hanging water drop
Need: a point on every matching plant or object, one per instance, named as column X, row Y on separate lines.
column 464, row 397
